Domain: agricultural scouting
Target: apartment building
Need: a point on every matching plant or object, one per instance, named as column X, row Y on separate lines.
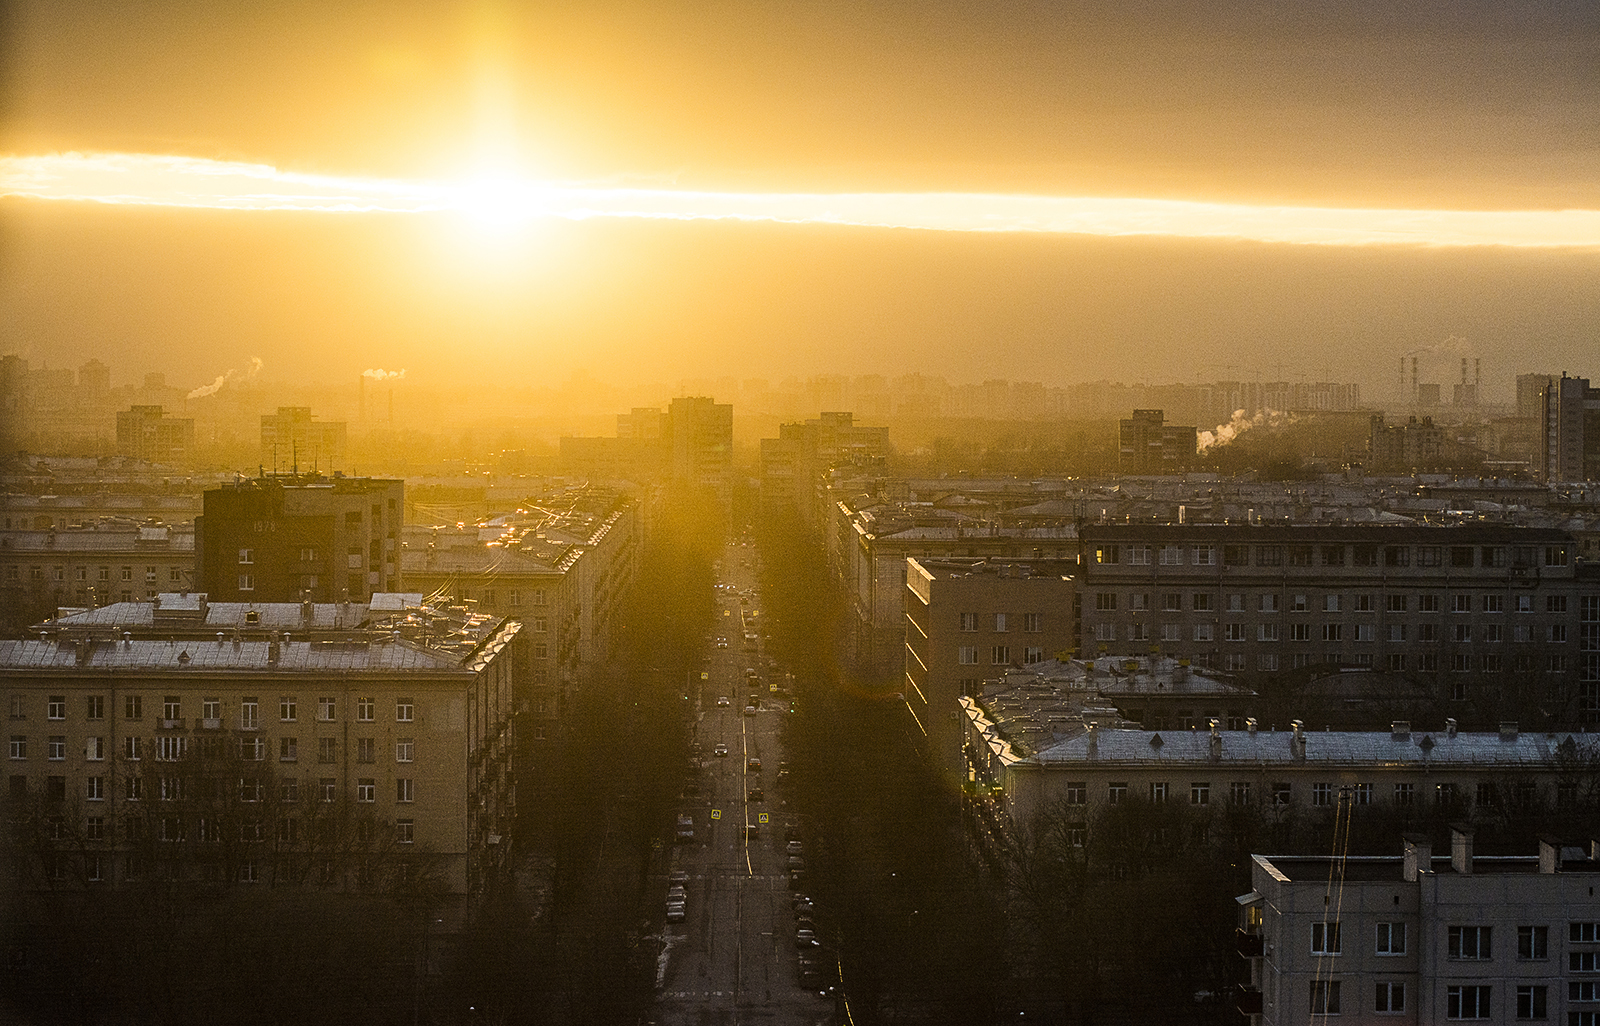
column 357, row 749
column 1465, row 774
column 967, row 619
column 1423, row 938
column 1477, row 612
column 148, row 433
column 284, row 538
column 41, row 571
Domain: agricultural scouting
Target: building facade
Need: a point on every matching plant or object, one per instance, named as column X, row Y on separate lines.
column 967, row 620
column 41, row 571
column 332, row 756
column 1423, row 938
column 1482, row 614
column 293, row 537
column 147, row 433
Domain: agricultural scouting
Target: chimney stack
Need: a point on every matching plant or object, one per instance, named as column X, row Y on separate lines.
column 1549, row 854
column 1418, row 856
column 1461, row 848
column 1297, row 743
column 1508, row 730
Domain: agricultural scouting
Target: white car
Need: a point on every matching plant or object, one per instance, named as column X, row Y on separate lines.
column 723, row 701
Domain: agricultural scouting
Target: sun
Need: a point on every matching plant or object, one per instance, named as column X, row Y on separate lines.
column 498, row 201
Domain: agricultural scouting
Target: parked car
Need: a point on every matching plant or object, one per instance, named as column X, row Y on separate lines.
column 794, row 848
column 675, row 911
column 676, row 893
column 720, row 750
column 678, row 876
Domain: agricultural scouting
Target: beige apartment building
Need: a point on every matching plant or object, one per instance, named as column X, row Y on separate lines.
column 335, row 753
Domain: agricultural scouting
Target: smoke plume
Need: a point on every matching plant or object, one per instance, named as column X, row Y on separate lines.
column 379, row 374
column 1238, row 425
column 223, row 379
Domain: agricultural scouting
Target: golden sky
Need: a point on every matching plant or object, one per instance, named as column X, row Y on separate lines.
column 1258, row 122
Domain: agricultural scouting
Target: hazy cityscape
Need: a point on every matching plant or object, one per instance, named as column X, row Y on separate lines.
column 857, row 514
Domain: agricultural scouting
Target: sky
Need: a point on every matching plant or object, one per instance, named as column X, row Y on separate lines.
column 932, row 117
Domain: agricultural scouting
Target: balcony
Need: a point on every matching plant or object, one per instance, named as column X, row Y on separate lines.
column 1247, row 1000
column 210, row 723
column 1249, row 945
column 176, row 724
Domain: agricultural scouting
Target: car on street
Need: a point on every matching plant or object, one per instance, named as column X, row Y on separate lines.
column 806, row 938
column 723, row 701
column 720, row 750
column 749, row 710
column 794, row 848
column 753, row 764
column 755, row 794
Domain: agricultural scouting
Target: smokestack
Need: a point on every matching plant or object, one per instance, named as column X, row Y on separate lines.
column 1413, row 377
column 361, row 399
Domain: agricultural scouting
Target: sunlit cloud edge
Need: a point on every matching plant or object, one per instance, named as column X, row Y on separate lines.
column 122, row 179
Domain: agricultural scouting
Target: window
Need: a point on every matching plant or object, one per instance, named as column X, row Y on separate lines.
column 1203, row 632
column 1333, row 632
column 1000, row 655
column 1105, row 600
column 1116, row 792
column 969, row 621
column 1322, row 794
column 366, row 790
column 325, row 710
column 1361, row 794
column 1330, row 603
column 404, row 831
column 1583, row 933
column 289, row 792
column 404, row 710
column 1396, row 604
column 1200, row 793
column 1555, row 555
column 56, row 709
column 1427, row 632
column 1365, row 555
column 1137, row 601
column 1493, row 633
column 57, row 749
column 1300, row 555
column 1583, row 961
column 1171, row 632
column 247, row 582
column 1267, row 603
column 1106, row 554
column 1033, row 654
column 132, row 707
column 366, row 749
column 96, row 790
column 1429, row 555
column 405, row 789
column 130, row 748
column 1299, row 632
column 1032, row 623
column 1267, row 662
column 1158, row 791
column 1391, row 939
column 94, row 749
column 1558, row 633
column 1139, row 555
column 1532, row 1001
column 1466, row 1003
column 133, row 788
column 365, row 710
column 1494, row 603
column 288, row 709
column 252, row 749
column 405, row 750
column 1427, row 603
column 969, row 654
column 1397, row 555
column 1397, row 632
column 288, row 749
column 328, row 789
column 1201, row 601
column 1324, row 997
column 1460, row 603
column 1239, row 792
column 1333, row 555
column 1269, row 555
column 1468, row 942
column 1391, row 997
column 1583, row 992
column 1463, row 633
column 249, row 713
column 1533, row 942
column 1403, row 793
column 1203, row 555
column 1235, row 603
column 1233, row 632
column 288, row 831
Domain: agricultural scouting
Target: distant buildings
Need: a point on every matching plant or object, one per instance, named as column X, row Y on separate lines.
column 286, row 538
column 792, row 463
column 146, row 433
column 1570, row 415
column 293, row 440
column 1147, row 445
column 691, row 445
column 1421, row 937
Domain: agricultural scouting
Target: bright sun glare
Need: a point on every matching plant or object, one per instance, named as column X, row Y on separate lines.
column 499, row 202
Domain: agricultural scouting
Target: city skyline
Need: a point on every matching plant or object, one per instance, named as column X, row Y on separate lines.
column 789, row 141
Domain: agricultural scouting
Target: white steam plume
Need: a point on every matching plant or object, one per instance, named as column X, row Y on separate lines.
column 379, row 374
column 223, row 379
column 1238, row 425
